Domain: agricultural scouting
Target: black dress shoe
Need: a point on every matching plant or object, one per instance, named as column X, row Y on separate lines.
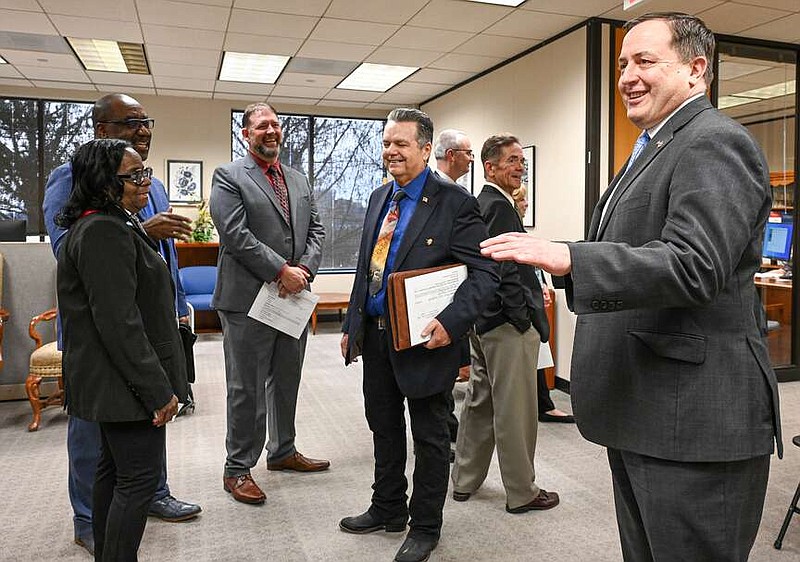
column 550, row 418
column 87, row 542
column 367, row 523
column 415, row 550
column 173, row 510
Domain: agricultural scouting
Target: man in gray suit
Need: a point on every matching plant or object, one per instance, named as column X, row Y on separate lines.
column 269, row 231
column 670, row 369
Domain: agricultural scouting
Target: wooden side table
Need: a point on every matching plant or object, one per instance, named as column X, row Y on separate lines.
column 329, row 301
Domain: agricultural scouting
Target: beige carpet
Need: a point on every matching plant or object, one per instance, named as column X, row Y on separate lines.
column 299, row 520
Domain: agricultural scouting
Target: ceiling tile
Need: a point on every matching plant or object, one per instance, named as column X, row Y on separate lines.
column 787, row 5
column 120, row 78
column 352, row 95
column 247, row 43
column 785, row 29
column 51, row 73
column 26, row 22
column 405, row 57
column 340, row 103
column 26, row 5
column 113, row 89
column 45, row 60
column 180, row 14
column 176, row 70
column 382, row 106
column 401, row 98
column 119, row 10
column 335, row 51
column 324, row 67
column 90, row 28
column 15, row 82
column 18, row 41
column 381, row 11
column 184, row 93
column 299, row 91
column 182, row 37
column 271, row 24
column 305, row 79
column 428, row 39
column 184, row 83
column 733, row 18
column 238, row 97
column 459, row 15
column 297, row 7
column 439, row 76
column 688, row 6
column 64, row 85
column 364, row 33
column 470, row 63
column 495, row 46
column 248, row 88
column 280, row 102
column 183, row 55
column 8, row 71
column 418, row 88
column 533, row 25
column 586, row 8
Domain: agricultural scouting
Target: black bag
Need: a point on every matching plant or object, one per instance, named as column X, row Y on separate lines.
column 188, row 338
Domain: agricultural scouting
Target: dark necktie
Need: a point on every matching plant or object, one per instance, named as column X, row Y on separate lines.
column 279, row 186
column 380, row 252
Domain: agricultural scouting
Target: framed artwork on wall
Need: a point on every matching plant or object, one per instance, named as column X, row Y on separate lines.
column 529, row 181
column 185, row 181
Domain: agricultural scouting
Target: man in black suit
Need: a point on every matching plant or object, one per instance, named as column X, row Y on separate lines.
column 670, row 369
column 428, row 224
column 500, row 405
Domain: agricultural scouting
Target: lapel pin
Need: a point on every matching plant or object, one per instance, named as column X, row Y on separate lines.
column 659, row 144
column 428, row 241
column 424, row 199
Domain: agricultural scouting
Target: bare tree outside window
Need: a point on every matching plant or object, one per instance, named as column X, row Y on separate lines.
column 342, row 160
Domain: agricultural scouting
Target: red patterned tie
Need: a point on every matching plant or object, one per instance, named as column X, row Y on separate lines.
column 380, row 252
column 276, row 180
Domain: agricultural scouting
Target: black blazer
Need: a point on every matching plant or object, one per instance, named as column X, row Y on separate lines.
column 123, row 357
column 519, row 299
column 446, row 228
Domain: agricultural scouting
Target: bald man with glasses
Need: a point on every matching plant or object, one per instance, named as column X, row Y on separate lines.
column 120, row 117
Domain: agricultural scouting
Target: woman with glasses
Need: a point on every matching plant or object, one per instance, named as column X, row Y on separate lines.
column 123, row 358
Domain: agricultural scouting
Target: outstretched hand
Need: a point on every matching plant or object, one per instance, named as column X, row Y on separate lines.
column 553, row 257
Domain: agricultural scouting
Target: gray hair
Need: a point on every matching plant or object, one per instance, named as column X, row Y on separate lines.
column 424, row 123
column 690, row 37
column 493, row 146
column 446, row 140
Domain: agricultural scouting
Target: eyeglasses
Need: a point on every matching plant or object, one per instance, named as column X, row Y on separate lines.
column 516, row 161
column 134, row 124
column 467, row 150
column 137, row 177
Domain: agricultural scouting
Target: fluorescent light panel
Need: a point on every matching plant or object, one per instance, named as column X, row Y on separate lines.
column 512, row 3
column 110, row 56
column 758, row 94
column 3, row 61
column 251, row 67
column 371, row 77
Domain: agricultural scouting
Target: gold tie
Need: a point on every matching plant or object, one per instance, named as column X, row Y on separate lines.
column 380, row 252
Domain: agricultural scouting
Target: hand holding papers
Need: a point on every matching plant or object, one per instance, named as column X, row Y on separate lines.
column 287, row 314
column 416, row 297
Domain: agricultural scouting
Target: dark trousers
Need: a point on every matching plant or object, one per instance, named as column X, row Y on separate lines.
column 385, row 412
column 127, row 477
column 543, row 393
column 670, row 511
column 83, row 450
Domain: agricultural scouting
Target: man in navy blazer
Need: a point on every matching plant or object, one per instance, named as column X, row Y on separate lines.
column 117, row 116
column 437, row 225
column 670, row 369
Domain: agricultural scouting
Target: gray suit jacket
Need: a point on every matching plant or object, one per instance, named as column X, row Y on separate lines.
column 255, row 238
column 670, row 359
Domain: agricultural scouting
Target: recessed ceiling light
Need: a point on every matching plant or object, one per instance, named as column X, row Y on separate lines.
column 251, row 67
column 376, row 77
column 110, row 56
column 512, row 3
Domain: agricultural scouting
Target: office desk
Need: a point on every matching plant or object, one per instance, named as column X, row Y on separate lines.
column 776, row 295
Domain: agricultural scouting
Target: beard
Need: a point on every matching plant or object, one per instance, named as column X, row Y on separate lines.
column 267, row 152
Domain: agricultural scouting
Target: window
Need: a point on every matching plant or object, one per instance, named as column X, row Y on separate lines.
column 342, row 160
column 36, row 136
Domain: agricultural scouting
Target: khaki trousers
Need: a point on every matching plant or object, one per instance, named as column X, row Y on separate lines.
column 500, row 409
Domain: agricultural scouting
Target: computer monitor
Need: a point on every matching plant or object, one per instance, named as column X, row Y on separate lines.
column 778, row 241
column 13, row 230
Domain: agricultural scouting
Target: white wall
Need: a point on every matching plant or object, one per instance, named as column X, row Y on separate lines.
column 541, row 98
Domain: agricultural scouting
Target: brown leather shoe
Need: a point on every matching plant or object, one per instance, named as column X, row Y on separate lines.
column 243, row 489
column 299, row 463
column 545, row 500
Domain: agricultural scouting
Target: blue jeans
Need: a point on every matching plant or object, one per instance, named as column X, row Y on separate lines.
column 83, row 450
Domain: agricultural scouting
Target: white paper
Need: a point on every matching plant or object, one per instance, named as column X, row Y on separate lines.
column 427, row 295
column 545, row 356
column 288, row 315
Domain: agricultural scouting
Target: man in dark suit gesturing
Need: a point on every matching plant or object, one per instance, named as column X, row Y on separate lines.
column 670, row 368
column 269, row 231
column 413, row 222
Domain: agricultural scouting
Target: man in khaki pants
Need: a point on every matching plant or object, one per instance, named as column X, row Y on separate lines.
column 500, row 405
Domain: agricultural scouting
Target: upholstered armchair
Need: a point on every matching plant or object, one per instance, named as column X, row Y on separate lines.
column 45, row 363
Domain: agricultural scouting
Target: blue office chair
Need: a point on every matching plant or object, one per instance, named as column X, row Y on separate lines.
column 198, row 283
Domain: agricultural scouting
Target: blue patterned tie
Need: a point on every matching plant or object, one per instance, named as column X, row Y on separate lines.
column 641, row 142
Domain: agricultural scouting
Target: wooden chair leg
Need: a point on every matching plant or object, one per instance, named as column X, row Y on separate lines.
column 314, row 322
column 32, row 390
column 792, row 510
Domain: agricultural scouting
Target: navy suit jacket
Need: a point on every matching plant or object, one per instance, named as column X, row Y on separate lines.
column 446, row 228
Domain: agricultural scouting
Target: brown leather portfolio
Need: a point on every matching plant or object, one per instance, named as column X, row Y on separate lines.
column 398, row 305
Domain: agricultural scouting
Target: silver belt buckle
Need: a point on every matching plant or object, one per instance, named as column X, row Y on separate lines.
column 381, row 323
